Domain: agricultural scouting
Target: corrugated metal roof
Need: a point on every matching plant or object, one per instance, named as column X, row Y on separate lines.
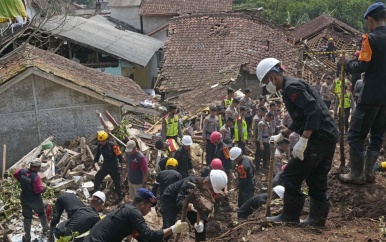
column 130, row 46
column 124, row 3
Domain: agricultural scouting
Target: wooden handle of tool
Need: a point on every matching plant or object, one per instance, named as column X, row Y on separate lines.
column 270, row 179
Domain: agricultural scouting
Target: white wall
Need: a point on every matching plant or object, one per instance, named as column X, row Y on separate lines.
column 127, row 15
column 151, row 23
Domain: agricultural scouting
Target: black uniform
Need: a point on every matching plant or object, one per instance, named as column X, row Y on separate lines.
column 246, row 184
column 184, row 161
column 68, row 202
column 111, row 156
column 308, row 112
column 172, row 203
column 164, row 179
column 370, row 112
column 121, row 223
column 221, row 151
column 82, row 221
column 251, row 205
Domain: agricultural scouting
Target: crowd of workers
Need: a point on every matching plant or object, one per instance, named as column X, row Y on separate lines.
column 300, row 126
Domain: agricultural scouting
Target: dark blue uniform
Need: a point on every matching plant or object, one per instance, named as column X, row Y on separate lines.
column 184, row 161
column 251, row 205
column 164, row 179
column 111, row 156
column 68, row 202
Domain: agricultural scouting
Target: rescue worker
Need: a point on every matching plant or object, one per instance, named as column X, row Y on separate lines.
column 221, row 152
column 128, row 220
column 246, row 172
column 166, row 177
column 261, row 103
column 258, row 117
column 337, row 92
column 111, row 156
column 83, row 220
column 281, row 157
column 264, row 133
column 137, row 168
column 174, row 195
column 171, row 126
column 226, row 132
column 184, row 158
column 326, row 92
column 370, row 113
column 210, row 124
column 348, row 103
column 229, row 98
column 216, row 164
column 68, row 202
column 257, row 201
column 31, row 199
column 331, row 48
column 247, row 102
column 241, row 129
column 221, row 116
column 313, row 153
column 169, row 147
column 358, row 88
column 272, row 108
column 232, row 111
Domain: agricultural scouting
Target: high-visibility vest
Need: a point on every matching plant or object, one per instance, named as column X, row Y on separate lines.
column 244, row 129
column 338, row 86
column 173, row 146
column 220, row 120
column 227, row 102
column 172, row 126
column 347, row 100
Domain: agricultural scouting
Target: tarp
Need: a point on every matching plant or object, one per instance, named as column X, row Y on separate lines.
column 9, row 9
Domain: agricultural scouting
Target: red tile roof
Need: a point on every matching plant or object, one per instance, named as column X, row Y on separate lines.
column 319, row 23
column 207, row 49
column 28, row 56
column 178, row 7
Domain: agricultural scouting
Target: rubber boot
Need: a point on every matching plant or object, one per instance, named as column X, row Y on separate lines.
column 43, row 221
column 27, row 229
column 318, row 213
column 51, row 235
column 371, row 159
column 292, row 207
column 356, row 175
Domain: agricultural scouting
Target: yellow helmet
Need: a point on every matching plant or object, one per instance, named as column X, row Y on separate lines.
column 102, row 135
column 172, row 162
column 330, row 39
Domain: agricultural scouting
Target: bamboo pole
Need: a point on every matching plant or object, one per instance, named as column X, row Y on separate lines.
column 4, row 160
column 270, row 180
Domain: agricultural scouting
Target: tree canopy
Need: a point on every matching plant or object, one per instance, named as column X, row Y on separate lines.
column 297, row 12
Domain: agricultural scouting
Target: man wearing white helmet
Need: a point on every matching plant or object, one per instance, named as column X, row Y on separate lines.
column 313, row 153
column 83, row 219
column 246, row 172
column 174, row 196
column 183, row 157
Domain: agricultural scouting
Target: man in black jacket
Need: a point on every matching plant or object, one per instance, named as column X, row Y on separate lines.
column 313, row 153
column 370, row 112
column 166, row 177
column 128, row 220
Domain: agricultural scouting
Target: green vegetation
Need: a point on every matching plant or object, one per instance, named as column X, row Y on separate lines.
column 297, row 12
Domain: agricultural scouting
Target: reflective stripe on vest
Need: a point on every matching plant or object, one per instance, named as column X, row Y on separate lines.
column 220, row 120
column 173, row 146
column 228, row 102
column 172, row 126
column 347, row 100
column 338, row 86
column 244, row 129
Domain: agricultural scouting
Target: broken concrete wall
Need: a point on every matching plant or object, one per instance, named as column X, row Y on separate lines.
column 246, row 80
column 35, row 108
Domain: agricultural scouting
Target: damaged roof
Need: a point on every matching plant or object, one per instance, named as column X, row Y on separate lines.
column 127, row 45
column 106, row 85
column 205, row 49
column 179, row 7
column 319, row 23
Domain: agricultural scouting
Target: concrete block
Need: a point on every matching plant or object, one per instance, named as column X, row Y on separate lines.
column 64, row 185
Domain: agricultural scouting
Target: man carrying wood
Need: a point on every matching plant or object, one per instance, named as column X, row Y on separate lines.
column 111, row 156
column 31, row 197
column 171, row 126
column 210, row 125
column 313, row 153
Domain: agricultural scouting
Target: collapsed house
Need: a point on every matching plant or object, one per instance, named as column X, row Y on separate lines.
column 44, row 94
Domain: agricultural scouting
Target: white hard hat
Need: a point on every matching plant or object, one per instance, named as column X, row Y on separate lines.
column 279, row 190
column 218, row 179
column 264, row 67
column 187, row 140
column 101, row 195
column 235, row 152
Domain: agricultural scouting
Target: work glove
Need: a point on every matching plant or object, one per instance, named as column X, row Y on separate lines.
column 299, row 148
column 231, row 191
column 180, row 227
column 191, row 208
column 199, row 227
column 276, row 138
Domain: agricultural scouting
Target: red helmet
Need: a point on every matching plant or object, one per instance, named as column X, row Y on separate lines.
column 216, row 164
column 215, row 136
